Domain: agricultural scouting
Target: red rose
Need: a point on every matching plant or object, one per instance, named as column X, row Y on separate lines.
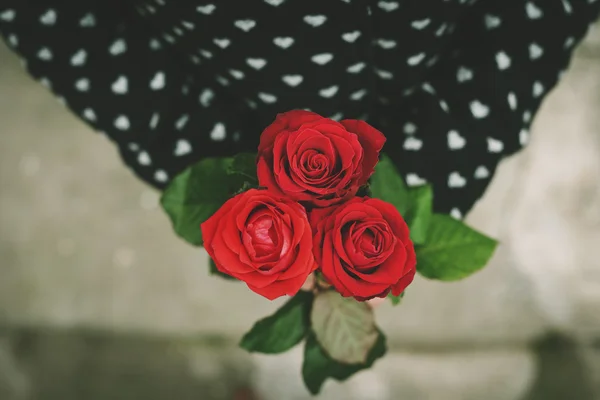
column 317, row 160
column 262, row 239
column 363, row 248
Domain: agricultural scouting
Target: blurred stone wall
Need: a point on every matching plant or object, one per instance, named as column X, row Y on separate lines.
column 84, row 247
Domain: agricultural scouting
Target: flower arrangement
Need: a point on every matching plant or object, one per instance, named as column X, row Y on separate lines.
column 319, row 214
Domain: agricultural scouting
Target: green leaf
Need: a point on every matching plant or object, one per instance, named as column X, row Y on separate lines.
column 318, row 366
column 212, row 269
column 396, row 299
column 245, row 164
column 282, row 330
column 387, row 185
column 419, row 212
column 453, row 250
column 197, row 193
column 344, row 327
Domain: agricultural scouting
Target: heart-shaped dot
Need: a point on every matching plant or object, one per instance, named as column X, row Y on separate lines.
column 45, row 54
column 118, row 47
column 267, row 98
column 182, row 121
column 154, row 120
column 351, row 37
column 481, row 172
column 464, row 74
column 283, row 42
column 503, row 60
column 122, row 123
column 329, row 92
column 78, row 59
column 292, row 80
column 523, row 137
column 161, row 176
column 412, row 143
column 414, row 180
column 48, row 18
column 416, row 59
column 384, row 74
column 218, row 133
column 538, row 89
column 315, row 20
column 535, row 51
column 386, row 43
column 8, row 15
column 478, row 109
column 356, row 68
column 359, row 94
column 88, row 21
column 533, row 11
column 322, row 59
column 455, row 213
column 274, row 3
column 83, row 84
column 222, row 43
column 455, row 180
column 182, row 147
column 421, row 23
column 256, row 63
column 206, row 9
column 89, row 114
column 144, row 158
column 491, row 21
column 455, row 140
column 512, row 101
column 158, row 82
column 245, row 24
column 236, row 74
column 120, row 85
column 388, row 5
column 495, row 145
column 206, row 97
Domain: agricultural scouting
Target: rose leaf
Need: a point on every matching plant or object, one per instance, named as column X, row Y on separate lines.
column 453, row 250
column 318, row 366
column 244, row 164
column 344, row 327
column 387, row 185
column 282, row 330
column 212, row 269
column 396, row 299
column 419, row 212
column 197, row 193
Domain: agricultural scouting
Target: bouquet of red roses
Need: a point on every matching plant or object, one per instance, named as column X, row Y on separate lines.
column 320, row 215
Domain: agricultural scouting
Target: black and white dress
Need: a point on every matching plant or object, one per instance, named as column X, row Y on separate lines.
column 453, row 84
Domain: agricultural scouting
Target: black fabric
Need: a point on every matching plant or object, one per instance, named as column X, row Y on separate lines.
column 453, row 84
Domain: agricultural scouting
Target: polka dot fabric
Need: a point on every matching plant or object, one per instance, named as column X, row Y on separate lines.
column 454, row 84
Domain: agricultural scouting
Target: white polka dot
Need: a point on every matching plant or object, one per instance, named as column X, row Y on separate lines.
column 236, row 74
column 569, row 42
column 292, row 80
column 455, row 213
column 89, row 114
column 524, row 137
column 133, row 146
column 533, row 11
column 223, row 81
column 337, row 116
column 88, row 21
column 412, row 143
column 416, row 59
column 481, row 172
column 492, row 21
column 46, row 82
column 83, row 84
column 567, row 6
column 118, row 47
column 455, row 140
column 512, row 101
column 155, row 44
column 351, row 37
column 256, row 63
column 356, row 68
column 414, row 180
column 120, row 86
column 13, row 40
column 455, row 180
column 8, row 15
column 538, row 89
column 359, row 94
column 478, row 109
column 322, row 59
column 444, row 106
column 409, row 128
column 154, row 120
column 503, row 60
column 78, row 59
column 169, row 38
column 206, row 97
column 218, row 133
column 188, row 25
column 144, row 158
column 206, row 53
column 527, row 116
column 441, row 30
column 535, row 51
column 384, row 74
column 48, row 18
column 329, row 91
column 283, row 42
column 464, row 74
column 122, row 123
column 178, row 31
column 161, row 176
column 267, row 97
column 428, row 88
column 494, row 145
column 182, row 147
column 158, row 81
column 421, row 23
column 206, row 9
column 387, row 5
column 222, row 42
column 386, row 43
column 182, row 121
column 274, row 3
column 315, row 20
column 252, row 104
column 245, row 24
column 195, row 59
column 45, row 54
